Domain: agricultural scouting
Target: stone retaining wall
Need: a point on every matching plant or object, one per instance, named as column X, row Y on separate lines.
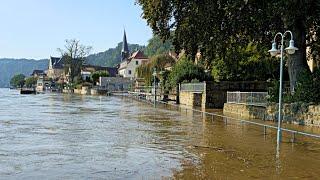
column 296, row 113
column 244, row 111
column 77, row 91
column 190, row 98
column 215, row 93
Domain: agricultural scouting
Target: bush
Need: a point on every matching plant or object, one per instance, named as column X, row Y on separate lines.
column 307, row 89
column 31, row 82
column 17, row 80
column 78, row 86
column 95, row 76
column 186, row 70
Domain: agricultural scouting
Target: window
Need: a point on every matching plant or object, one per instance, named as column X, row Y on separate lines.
column 137, row 62
column 129, row 72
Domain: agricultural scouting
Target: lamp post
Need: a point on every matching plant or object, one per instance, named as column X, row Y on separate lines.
column 154, row 74
column 274, row 51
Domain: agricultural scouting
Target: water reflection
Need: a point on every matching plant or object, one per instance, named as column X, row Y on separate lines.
column 87, row 137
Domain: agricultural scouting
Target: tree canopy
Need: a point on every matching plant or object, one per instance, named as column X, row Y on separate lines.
column 217, row 28
column 74, row 55
column 31, row 82
column 17, row 80
column 159, row 62
column 186, row 70
column 96, row 75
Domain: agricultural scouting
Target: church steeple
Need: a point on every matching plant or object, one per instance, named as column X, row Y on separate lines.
column 125, row 49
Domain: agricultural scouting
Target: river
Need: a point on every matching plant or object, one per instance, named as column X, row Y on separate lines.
column 60, row 136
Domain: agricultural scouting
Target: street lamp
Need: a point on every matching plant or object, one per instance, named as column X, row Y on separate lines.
column 274, row 51
column 154, row 74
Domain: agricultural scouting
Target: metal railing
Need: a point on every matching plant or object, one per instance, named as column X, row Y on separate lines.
column 192, row 87
column 226, row 119
column 249, row 98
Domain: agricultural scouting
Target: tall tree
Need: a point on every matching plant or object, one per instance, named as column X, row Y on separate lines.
column 218, row 27
column 159, row 62
column 74, row 54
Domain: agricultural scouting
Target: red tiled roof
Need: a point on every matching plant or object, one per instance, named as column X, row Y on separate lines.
column 138, row 55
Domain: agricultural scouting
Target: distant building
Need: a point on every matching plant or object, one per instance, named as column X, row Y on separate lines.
column 56, row 68
column 175, row 56
column 87, row 70
column 43, row 83
column 38, row 73
column 129, row 63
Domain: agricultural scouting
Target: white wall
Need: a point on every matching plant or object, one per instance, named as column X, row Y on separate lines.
column 131, row 67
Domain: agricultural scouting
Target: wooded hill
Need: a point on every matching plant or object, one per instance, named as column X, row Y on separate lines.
column 111, row 57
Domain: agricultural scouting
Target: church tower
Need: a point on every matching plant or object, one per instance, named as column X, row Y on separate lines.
column 125, row 49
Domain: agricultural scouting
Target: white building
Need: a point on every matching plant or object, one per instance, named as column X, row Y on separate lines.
column 128, row 66
column 129, row 63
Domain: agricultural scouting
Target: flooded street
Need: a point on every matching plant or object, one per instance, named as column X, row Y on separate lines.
column 58, row 136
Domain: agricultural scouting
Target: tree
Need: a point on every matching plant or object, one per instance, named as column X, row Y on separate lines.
column 96, row 75
column 159, row 62
column 216, row 28
column 31, row 82
column 186, row 70
column 17, row 80
column 246, row 64
column 74, row 55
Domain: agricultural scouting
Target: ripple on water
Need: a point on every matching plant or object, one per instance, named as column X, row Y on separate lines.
column 87, row 137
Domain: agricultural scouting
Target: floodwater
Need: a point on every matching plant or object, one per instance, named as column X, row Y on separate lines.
column 58, row 136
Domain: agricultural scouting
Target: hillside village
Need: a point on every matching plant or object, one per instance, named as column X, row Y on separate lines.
column 119, row 78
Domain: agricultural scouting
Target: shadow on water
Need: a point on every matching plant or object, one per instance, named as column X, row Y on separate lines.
column 231, row 149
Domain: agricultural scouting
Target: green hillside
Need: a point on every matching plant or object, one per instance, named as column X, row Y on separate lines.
column 10, row 67
column 112, row 56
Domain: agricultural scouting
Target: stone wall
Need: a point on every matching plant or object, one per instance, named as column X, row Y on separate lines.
column 67, row 91
column 115, row 83
column 244, row 110
column 190, row 98
column 77, row 91
column 215, row 94
column 98, row 92
column 296, row 113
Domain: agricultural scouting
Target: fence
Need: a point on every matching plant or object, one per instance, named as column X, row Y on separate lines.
column 192, row 87
column 226, row 119
column 250, row 98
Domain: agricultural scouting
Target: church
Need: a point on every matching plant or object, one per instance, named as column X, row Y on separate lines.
column 130, row 61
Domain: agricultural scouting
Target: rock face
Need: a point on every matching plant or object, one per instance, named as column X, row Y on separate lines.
column 296, row 113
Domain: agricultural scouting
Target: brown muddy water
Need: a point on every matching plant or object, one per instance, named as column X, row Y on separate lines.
column 56, row 136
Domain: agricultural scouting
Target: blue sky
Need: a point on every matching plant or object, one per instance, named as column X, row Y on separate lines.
column 36, row 28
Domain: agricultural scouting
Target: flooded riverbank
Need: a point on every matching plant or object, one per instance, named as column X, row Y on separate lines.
column 56, row 136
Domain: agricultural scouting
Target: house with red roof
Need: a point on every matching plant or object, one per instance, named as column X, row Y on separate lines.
column 129, row 63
